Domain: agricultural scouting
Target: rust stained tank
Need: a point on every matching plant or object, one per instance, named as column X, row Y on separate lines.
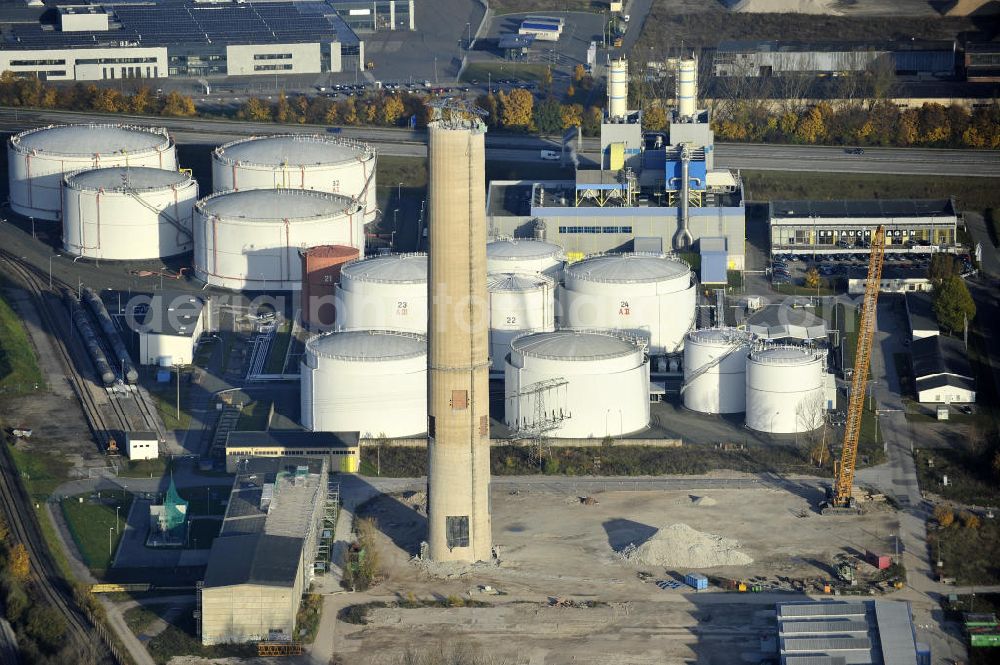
column 320, row 273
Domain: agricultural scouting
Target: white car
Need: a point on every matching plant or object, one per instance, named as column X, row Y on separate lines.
column 550, row 155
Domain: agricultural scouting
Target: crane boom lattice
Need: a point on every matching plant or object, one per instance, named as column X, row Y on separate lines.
column 842, row 498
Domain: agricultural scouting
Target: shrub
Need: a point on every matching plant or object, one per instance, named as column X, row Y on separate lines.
column 944, row 516
column 970, row 520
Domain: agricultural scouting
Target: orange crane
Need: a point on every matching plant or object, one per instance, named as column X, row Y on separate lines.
column 840, row 500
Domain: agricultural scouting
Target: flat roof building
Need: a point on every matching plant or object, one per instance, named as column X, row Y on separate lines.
column 181, row 38
column 170, row 327
column 844, row 226
column 263, row 559
column 342, row 450
column 376, row 15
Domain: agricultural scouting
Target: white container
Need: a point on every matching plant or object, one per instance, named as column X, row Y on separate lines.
column 384, row 293
column 722, row 387
column 319, row 163
column 647, row 295
column 519, row 304
column 368, row 381
column 784, row 390
column 128, row 214
column 525, row 256
column 618, row 89
column 591, row 385
column 687, row 88
column 38, row 159
column 250, row 240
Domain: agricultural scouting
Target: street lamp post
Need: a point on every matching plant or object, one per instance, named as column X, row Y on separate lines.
column 468, row 43
column 54, row 256
column 111, row 530
column 117, row 525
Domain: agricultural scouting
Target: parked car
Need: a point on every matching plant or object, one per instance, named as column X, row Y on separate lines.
column 854, row 151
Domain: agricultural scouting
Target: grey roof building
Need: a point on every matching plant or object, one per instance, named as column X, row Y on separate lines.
column 941, row 370
column 787, row 320
column 920, row 313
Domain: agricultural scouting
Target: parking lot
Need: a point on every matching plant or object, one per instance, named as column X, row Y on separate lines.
column 791, row 268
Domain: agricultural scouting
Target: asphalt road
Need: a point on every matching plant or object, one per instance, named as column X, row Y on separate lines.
column 410, row 143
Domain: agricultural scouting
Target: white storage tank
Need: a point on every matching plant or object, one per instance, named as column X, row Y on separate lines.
column 525, row 256
column 320, row 163
column 38, row 159
column 368, row 381
column 385, row 293
column 715, row 362
column 648, row 295
column 784, row 390
column 128, row 214
column 251, row 239
column 585, row 384
column 519, row 304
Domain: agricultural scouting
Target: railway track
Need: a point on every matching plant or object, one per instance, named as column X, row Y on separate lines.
column 17, row 505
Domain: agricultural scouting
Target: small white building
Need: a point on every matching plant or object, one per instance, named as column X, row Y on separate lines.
column 941, row 371
column 142, row 445
column 169, row 329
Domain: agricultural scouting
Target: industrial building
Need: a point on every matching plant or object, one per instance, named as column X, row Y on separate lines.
column 542, row 28
column 295, row 161
column 779, row 58
column 894, row 279
column 376, row 15
column 250, row 239
column 264, row 557
column 941, row 371
column 384, row 293
column 789, row 321
column 169, row 329
column 342, row 450
column 458, row 391
column 142, row 445
column 982, row 61
column 39, row 159
column 352, row 380
column 182, row 38
column 920, row 314
column 651, row 192
column 128, row 213
column 846, row 226
column 863, row 632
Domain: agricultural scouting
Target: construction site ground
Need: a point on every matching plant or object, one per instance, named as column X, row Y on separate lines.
column 555, row 546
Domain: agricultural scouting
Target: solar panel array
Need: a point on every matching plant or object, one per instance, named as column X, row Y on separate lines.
column 173, row 23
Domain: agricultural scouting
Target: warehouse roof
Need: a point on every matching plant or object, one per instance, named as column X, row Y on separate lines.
column 782, row 320
column 862, row 208
column 133, row 178
column 573, row 345
column 179, row 22
column 942, row 380
column 939, row 354
column 920, row 311
column 291, row 150
column 394, row 268
column 275, row 204
column 628, row 268
column 253, row 558
column 293, row 438
column 171, row 314
column 91, row 139
column 368, row 345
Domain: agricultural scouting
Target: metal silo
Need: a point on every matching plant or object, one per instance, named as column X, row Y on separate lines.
column 384, row 292
column 519, row 304
column 715, row 361
column 687, row 88
column 618, row 90
column 784, row 389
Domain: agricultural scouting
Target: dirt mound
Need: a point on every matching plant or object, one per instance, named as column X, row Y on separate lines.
column 678, row 545
column 703, row 501
column 783, row 6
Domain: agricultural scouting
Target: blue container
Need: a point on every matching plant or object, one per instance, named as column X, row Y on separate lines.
column 696, row 580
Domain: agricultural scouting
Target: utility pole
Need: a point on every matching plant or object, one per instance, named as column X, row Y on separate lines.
column 178, row 368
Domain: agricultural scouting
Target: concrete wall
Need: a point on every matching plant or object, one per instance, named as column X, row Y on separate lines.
column 250, row 59
column 246, row 612
column 87, row 64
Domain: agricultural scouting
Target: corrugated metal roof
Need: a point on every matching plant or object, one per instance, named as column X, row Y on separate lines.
column 572, row 345
column 268, row 205
column 522, row 249
column 92, row 139
column 292, row 150
column 827, row 644
column 368, row 345
column 839, row 626
column 117, row 178
column 813, row 660
column 394, row 269
column 253, row 558
column 628, row 268
column 895, row 632
column 509, row 281
column 819, row 609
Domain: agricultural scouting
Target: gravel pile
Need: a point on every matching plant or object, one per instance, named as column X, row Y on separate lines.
column 703, row 501
column 678, row 545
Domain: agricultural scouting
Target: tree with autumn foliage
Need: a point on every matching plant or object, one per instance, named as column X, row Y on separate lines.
column 654, row 118
column 19, row 563
column 516, row 109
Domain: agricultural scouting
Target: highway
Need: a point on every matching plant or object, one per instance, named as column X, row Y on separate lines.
column 412, row 143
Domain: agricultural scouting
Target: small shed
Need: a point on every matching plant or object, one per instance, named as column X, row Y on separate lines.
column 142, row 445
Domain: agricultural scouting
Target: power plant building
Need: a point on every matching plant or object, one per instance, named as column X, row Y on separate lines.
column 263, row 559
column 182, row 38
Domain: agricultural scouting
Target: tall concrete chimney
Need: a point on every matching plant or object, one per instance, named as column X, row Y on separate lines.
column 458, row 479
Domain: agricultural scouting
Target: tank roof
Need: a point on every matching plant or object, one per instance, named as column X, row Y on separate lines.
column 573, row 345
column 371, row 345
column 783, row 355
column 719, row 336
column 116, row 178
column 510, row 281
column 331, row 252
column 292, row 150
column 522, row 249
column 273, row 204
column 395, row 268
column 628, row 268
column 92, row 139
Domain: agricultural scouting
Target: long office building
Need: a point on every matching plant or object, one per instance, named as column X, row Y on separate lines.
column 180, row 38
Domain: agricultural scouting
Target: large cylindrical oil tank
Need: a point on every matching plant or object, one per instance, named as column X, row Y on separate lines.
column 784, row 390
column 572, row 384
column 368, row 381
column 525, row 256
column 128, row 214
column 519, row 304
column 37, row 160
column 618, row 89
column 715, row 362
column 687, row 88
column 321, row 268
column 320, row 163
column 648, row 295
column 250, row 240
column 384, row 293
